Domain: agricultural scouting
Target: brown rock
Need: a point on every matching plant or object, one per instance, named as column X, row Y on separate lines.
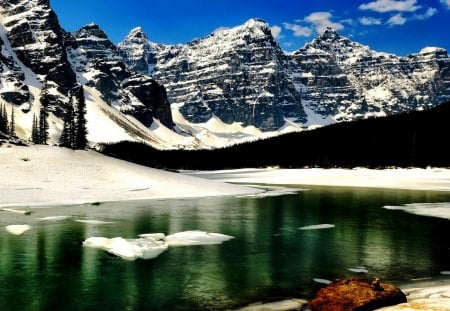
column 356, row 294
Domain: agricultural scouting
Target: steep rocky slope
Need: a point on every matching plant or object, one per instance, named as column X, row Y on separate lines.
column 242, row 75
column 98, row 60
column 347, row 80
column 39, row 61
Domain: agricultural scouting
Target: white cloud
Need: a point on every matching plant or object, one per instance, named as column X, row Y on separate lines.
column 321, row 20
column 399, row 19
column 276, row 31
column 299, row 31
column 369, row 21
column 429, row 13
column 348, row 21
column 446, row 3
column 383, row 6
column 396, row 20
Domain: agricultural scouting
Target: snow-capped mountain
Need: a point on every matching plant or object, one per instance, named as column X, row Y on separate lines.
column 234, row 85
column 38, row 58
column 237, row 75
column 98, row 60
column 344, row 80
column 242, row 75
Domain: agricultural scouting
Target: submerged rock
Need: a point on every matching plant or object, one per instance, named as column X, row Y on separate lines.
column 356, row 294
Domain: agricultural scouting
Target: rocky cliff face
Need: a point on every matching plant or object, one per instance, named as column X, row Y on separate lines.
column 236, row 74
column 34, row 53
column 138, row 52
column 98, row 60
column 345, row 79
column 241, row 75
column 40, row 62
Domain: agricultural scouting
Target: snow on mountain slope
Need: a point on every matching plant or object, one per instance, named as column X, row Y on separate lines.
column 44, row 175
column 241, row 75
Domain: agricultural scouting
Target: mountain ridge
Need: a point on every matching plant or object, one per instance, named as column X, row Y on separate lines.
column 325, row 80
column 234, row 85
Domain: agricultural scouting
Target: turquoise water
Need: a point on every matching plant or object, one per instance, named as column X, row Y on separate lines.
column 270, row 258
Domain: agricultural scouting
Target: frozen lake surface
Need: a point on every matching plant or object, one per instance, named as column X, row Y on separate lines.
column 271, row 248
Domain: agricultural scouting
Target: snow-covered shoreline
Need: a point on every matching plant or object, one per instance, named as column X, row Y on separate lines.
column 48, row 176
column 432, row 179
column 45, row 175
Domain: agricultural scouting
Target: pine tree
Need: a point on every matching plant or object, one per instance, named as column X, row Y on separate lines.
column 12, row 124
column 3, row 119
column 68, row 134
column 81, row 129
column 43, row 118
column 35, row 135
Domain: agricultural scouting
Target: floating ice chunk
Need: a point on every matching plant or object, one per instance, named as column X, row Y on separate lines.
column 359, row 270
column 11, row 210
column 153, row 236
column 54, row 218
column 97, row 242
column 272, row 192
column 94, row 222
column 317, row 227
column 445, row 272
column 322, row 281
column 150, row 245
column 289, row 304
column 196, row 237
column 128, row 249
column 440, row 210
column 17, row 229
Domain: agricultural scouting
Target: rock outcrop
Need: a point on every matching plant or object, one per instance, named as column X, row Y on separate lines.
column 99, row 61
column 356, row 294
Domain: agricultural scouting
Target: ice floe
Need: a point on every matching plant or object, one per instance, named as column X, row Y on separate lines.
column 359, row 270
column 288, row 304
column 317, row 227
column 153, row 236
column 150, row 245
column 440, row 210
column 17, row 229
column 129, row 249
column 322, row 281
column 190, row 238
column 445, row 272
column 271, row 191
column 94, row 222
column 16, row 211
column 54, row 218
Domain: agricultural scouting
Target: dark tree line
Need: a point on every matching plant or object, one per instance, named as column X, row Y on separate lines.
column 7, row 126
column 410, row 139
column 74, row 134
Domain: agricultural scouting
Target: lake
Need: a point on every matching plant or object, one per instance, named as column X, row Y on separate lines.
column 270, row 258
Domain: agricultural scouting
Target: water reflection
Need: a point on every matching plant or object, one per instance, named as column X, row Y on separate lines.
column 48, row 269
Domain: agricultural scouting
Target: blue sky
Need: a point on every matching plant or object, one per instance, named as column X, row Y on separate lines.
column 396, row 26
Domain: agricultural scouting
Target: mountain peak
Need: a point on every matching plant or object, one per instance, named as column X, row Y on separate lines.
column 256, row 24
column 137, row 33
column 90, row 30
column 329, row 34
